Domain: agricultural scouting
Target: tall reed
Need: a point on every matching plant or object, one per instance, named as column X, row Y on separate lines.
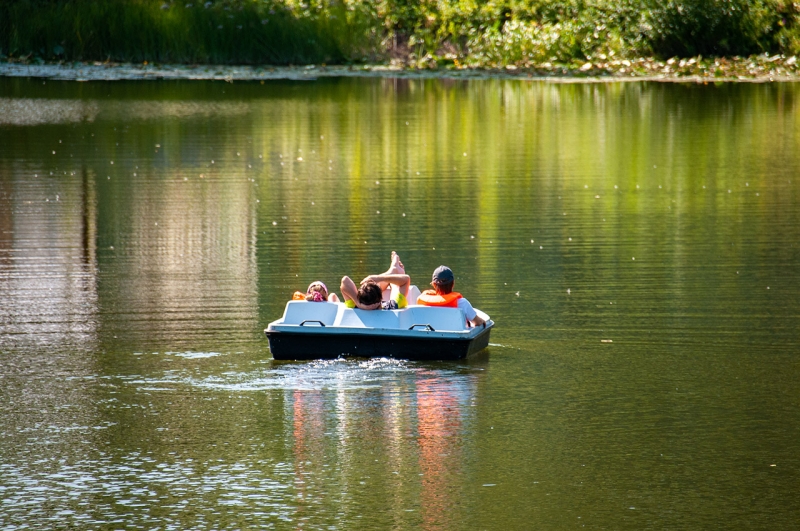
column 240, row 32
column 497, row 33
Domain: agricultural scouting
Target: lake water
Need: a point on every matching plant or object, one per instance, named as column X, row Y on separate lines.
column 637, row 244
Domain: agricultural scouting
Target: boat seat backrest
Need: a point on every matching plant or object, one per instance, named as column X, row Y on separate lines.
column 298, row 311
column 411, row 297
column 413, row 294
column 333, row 314
column 368, row 318
column 441, row 319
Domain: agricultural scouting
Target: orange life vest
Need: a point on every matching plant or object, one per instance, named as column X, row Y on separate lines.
column 298, row 296
column 429, row 297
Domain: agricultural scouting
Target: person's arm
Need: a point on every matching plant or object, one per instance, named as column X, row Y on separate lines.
column 470, row 313
column 403, row 282
column 349, row 290
column 350, row 295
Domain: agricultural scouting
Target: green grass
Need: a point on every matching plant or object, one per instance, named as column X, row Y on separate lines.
column 420, row 33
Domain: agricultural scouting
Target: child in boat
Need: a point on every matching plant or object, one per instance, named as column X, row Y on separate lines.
column 369, row 294
column 443, row 295
column 316, row 292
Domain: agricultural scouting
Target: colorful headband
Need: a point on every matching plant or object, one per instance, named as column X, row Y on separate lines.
column 320, row 283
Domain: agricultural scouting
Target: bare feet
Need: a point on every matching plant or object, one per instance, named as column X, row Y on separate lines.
column 397, row 267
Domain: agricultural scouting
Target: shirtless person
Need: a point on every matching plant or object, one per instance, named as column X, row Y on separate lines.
column 368, row 295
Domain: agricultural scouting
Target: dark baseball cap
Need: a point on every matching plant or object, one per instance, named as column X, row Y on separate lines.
column 443, row 275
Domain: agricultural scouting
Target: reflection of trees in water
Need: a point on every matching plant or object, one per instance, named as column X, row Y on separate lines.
column 183, row 255
column 508, row 162
column 48, row 269
column 47, row 111
column 29, row 111
column 48, row 314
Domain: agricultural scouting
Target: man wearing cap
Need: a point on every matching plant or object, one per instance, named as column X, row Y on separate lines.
column 443, row 295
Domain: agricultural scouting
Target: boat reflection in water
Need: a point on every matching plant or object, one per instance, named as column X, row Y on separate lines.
column 439, row 423
column 399, row 443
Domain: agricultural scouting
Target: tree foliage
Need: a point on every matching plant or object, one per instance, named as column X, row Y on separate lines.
column 472, row 32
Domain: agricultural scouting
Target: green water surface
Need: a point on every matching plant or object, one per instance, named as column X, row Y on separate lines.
column 637, row 244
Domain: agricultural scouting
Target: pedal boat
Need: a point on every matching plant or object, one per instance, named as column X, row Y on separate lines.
column 326, row 330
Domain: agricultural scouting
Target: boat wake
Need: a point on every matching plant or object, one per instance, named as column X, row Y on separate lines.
column 339, row 374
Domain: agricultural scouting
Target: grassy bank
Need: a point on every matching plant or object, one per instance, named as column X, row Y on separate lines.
column 521, row 33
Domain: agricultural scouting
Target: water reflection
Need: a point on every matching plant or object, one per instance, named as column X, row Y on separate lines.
column 184, row 261
column 47, row 111
column 359, row 439
column 636, row 243
column 49, row 319
column 344, row 443
column 30, row 111
column 440, row 425
column 48, row 268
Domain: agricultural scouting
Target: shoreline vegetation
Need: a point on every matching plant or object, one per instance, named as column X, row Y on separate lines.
column 676, row 40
